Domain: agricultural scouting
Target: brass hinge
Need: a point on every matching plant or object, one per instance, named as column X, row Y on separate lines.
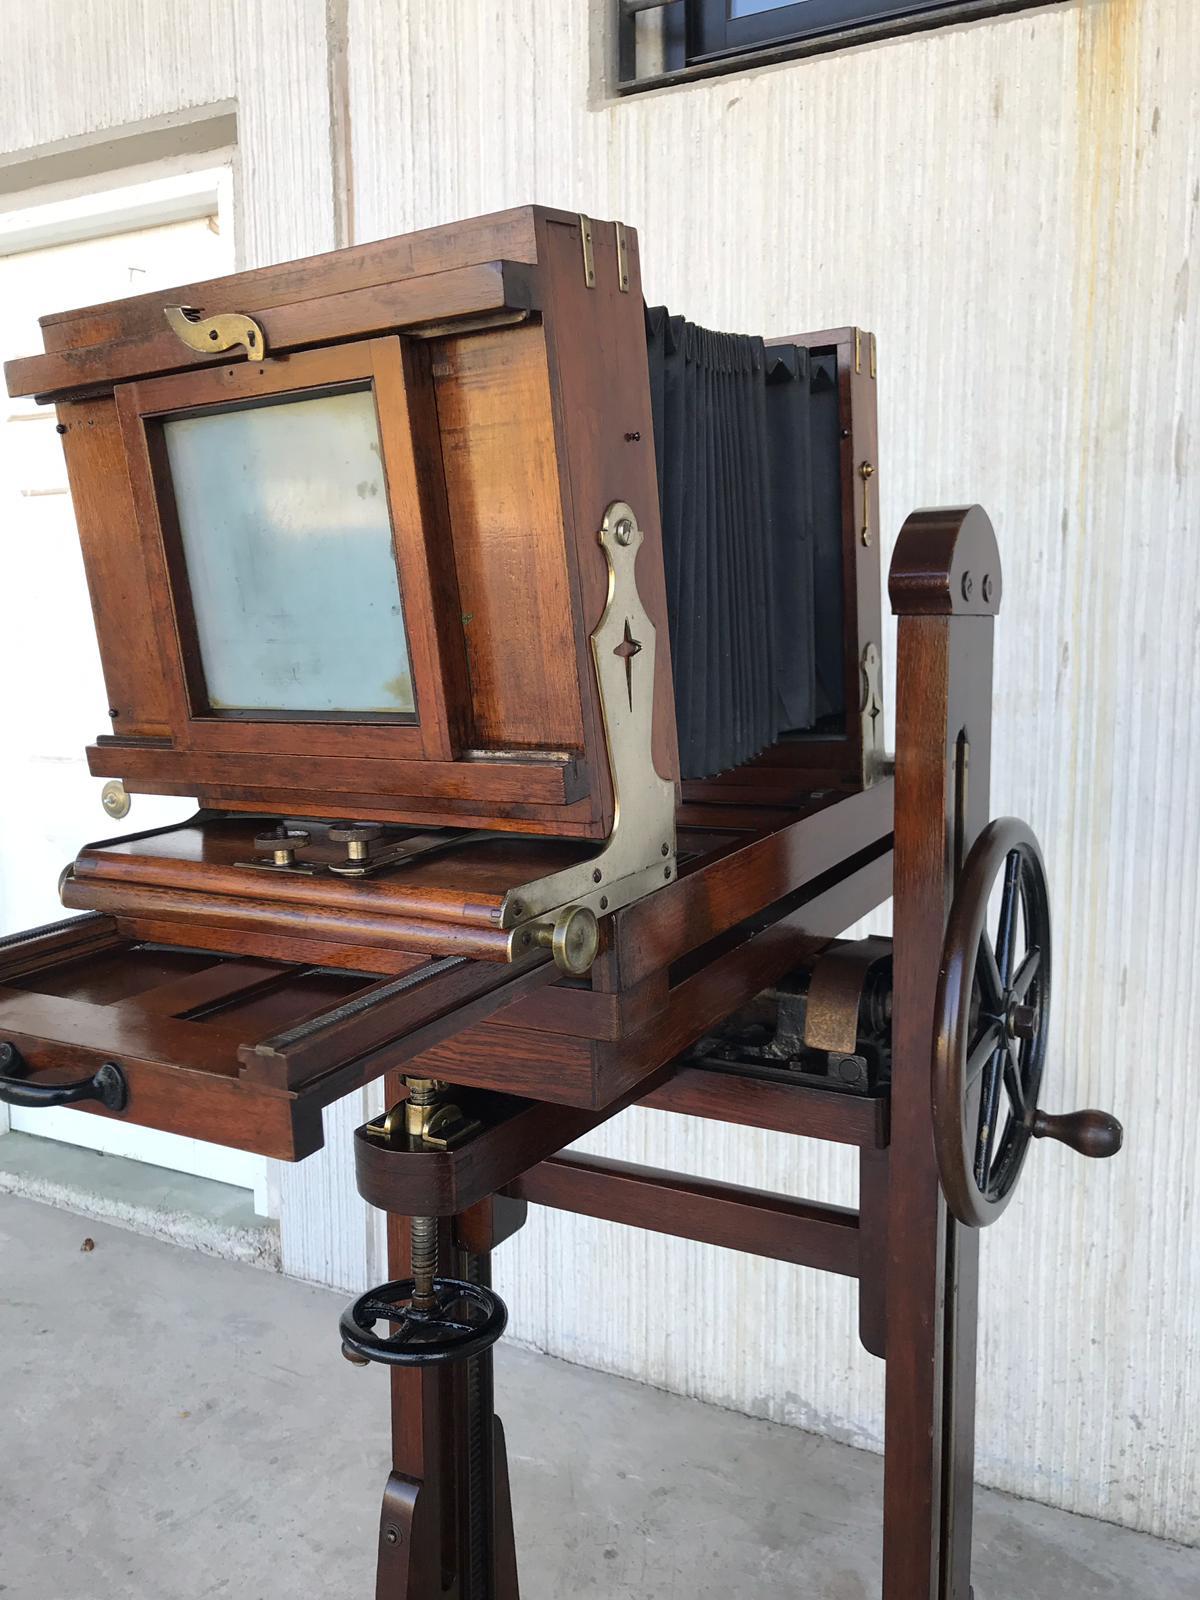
column 589, row 259
column 622, row 258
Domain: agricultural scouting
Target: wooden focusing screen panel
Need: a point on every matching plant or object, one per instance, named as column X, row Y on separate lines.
column 236, row 995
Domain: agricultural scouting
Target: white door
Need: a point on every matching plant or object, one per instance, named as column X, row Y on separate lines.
column 52, row 703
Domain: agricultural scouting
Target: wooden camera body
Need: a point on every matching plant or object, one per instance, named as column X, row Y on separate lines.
column 389, row 552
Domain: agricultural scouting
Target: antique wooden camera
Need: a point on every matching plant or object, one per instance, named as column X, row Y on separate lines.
column 522, row 646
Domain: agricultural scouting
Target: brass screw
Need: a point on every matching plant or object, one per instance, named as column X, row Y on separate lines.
column 282, row 842
column 989, row 587
column 968, row 585
column 357, row 837
column 623, row 532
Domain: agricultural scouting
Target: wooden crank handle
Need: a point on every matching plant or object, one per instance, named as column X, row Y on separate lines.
column 1091, row 1133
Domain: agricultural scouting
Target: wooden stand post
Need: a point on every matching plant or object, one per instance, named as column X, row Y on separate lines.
column 945, row 589
column 445, row 1528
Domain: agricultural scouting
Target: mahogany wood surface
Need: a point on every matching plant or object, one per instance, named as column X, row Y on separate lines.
column 724, row 890
column 873, row 1180
column 472, row 241
column 191, row 883
column 350, row 957
column 119, row 589
column 804, row 1232
column 507, row 816
column 601, row 393
column 56, row 942
column 517, row 1134
column 243, row 1052
column 481, row 783
column 463, row 882
column 944, row 684
column 783, row 1107
column 590, row 1073
column 494, row 286
column 184, row 916
column 381, row 1015
column 496, row 418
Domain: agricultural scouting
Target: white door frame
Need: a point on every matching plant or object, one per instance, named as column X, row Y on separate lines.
column 122, row 208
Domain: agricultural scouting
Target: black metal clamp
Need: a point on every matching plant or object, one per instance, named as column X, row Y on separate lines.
column 108, row 1085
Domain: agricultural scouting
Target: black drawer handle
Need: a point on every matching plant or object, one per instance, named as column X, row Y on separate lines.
column 108, row 1085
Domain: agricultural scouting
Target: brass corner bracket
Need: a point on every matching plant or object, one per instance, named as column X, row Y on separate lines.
column 640, row 853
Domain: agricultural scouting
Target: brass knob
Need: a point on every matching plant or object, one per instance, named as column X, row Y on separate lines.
column 573, row 937
column 356, row 836
column 282, row 842
column 1091, row 1133
column 114, row 799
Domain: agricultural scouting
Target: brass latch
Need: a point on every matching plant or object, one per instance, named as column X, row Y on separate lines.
column 214, row 335
column 866, row 472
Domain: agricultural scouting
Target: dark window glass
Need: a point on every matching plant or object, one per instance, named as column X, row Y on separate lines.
column 718, row 26
column 705, row 36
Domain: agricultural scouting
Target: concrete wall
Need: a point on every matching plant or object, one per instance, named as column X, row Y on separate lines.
column 1012, row 207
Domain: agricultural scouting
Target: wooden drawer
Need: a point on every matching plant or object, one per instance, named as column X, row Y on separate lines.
column 239, row 1051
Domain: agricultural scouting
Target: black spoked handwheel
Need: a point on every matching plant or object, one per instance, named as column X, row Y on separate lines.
column 992, row 1014
column 462, row 1320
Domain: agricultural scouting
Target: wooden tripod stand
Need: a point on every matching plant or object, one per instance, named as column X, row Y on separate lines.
column 446, row 1525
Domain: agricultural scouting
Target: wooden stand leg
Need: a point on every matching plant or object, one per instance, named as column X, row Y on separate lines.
column 504, row 1566
column 945, row 586
column 446, row 1528
column 872, row 1233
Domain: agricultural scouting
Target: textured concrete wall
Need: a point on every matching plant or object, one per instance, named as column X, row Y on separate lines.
column 1012, row 207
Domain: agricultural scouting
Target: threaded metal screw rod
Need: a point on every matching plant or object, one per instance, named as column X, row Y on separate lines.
column 422, row 1096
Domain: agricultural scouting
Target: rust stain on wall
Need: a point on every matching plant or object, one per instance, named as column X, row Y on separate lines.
column 1107, row 68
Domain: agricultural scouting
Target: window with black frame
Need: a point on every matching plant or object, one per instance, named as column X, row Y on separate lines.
column 660, row 40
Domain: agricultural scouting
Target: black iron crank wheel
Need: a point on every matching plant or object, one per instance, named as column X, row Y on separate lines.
column 991, row 1016
column 464, row 1320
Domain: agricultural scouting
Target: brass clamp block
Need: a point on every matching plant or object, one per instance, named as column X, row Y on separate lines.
column 425, row 1120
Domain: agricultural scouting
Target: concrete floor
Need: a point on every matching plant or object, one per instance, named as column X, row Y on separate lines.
column 174, row 1427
